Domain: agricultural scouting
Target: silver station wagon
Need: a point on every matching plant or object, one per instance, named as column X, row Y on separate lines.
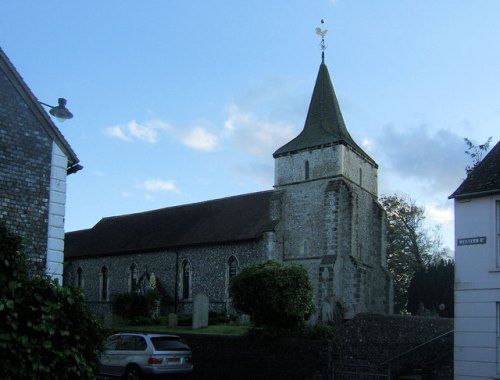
column 133, row 356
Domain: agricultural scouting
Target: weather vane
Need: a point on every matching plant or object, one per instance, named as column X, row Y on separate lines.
column 322, row 33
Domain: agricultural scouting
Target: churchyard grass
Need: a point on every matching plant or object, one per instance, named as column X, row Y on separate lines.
column 216, row 329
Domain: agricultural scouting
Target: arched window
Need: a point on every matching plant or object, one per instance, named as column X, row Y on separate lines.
column 104, row 283
column 186, row 280
column 133, row 278
column 306, row 169
column 79, row 277
column 232, row 267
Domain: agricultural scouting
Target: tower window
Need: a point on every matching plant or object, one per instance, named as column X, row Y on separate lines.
column 360, row 177
column 306, row 169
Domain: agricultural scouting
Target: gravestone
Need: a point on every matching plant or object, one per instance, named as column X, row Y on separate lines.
column 200, row 311
column 172, row 320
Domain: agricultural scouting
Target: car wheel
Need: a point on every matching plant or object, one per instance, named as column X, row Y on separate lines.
column 133, row 373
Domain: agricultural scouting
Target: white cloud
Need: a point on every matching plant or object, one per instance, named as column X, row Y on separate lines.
column 147, row 131
column 200, row 139
column 142, row 132
column 160, row 185
column 257, row 137
column 117, row 132
column 440, row 215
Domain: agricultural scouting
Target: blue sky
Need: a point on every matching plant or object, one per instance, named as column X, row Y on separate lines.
column 178, row 102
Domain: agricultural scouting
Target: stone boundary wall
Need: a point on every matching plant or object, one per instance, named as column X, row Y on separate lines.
column 242, row 358
column 363, row 342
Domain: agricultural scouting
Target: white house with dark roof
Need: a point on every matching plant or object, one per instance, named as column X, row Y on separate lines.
column 35, row 160
column 323, row 214
column 477, row 271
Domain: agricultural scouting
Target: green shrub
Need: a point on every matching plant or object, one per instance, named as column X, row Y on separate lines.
column 133, row 307
column 274, row 295
column 46, row 330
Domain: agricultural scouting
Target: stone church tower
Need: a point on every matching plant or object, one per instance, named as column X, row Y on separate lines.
column 327, row 213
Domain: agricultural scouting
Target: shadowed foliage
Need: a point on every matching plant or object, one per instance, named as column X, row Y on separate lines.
column 46, row 330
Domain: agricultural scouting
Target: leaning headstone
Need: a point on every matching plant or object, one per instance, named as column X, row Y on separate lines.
column 172, row 320
column 200, row 311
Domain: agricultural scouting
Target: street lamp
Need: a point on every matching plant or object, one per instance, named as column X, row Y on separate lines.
column 60, row 112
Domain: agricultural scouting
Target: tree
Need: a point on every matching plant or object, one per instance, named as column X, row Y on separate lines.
column 46, row 330
column 410, row 247
column 275, row 296
column 433, row 287
column 475, row 152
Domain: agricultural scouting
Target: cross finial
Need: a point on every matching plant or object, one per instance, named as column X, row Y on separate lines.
column 322, row 32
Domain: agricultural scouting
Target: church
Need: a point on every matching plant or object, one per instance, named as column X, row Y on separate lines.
column 322, row 214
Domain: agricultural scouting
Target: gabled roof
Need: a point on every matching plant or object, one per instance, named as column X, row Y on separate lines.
column 226, row 220
column 484, row 179
column 34, row 105
column 324, row 124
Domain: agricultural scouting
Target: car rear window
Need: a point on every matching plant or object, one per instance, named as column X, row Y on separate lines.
column 168, row 344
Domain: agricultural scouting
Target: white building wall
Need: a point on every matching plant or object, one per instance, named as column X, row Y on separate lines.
column 477, row 290
column 57, row 207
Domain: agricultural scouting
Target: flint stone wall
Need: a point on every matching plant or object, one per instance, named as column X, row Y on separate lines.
column 25, row 163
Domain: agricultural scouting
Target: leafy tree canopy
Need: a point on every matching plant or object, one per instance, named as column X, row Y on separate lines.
column 475, row 152
column 410, row 246
column 274, row 295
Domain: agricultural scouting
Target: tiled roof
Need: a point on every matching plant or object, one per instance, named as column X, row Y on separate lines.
column 231, row 219
column 324, row 124
column 484, row 179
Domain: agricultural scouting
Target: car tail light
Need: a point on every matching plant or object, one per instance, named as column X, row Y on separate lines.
column 155, row 360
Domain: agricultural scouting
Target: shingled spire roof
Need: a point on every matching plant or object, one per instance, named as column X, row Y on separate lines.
column 324, row 124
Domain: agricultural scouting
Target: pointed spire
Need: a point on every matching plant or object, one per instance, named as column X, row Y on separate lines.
column 324, row 124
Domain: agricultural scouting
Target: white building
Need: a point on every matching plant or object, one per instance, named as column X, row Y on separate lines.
column 477, row 271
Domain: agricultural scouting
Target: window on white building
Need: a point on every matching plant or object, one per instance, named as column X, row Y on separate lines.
column 498, row 337
column 498, row 233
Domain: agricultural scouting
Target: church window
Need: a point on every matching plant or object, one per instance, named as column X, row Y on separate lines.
column 79, row 277
column 186, row 280
column 133, row 278
column 104, row 283
column 360, row 177
column 306, row 168
column 232, row 266
column 305, row 248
